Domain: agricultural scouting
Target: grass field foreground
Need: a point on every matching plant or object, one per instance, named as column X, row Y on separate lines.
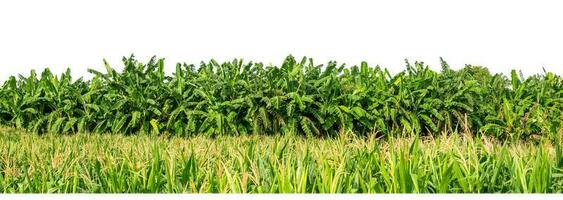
column 116, row 163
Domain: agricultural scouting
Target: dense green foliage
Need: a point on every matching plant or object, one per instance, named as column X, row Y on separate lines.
column 52, row 163
column 299, row 97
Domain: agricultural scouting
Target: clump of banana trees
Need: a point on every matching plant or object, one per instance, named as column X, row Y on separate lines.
column 299, row 97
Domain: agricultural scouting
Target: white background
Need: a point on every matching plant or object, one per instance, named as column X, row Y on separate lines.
column 502, row 35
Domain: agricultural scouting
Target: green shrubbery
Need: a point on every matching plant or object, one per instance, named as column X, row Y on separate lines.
column 298, row 97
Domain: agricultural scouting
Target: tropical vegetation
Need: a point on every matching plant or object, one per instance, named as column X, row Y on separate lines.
column 301, row 127
column 296, row 98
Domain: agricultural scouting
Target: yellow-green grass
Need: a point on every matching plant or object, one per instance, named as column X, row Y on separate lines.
column 94, row 163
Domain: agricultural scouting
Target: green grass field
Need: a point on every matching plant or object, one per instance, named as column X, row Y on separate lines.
column 116, row 163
